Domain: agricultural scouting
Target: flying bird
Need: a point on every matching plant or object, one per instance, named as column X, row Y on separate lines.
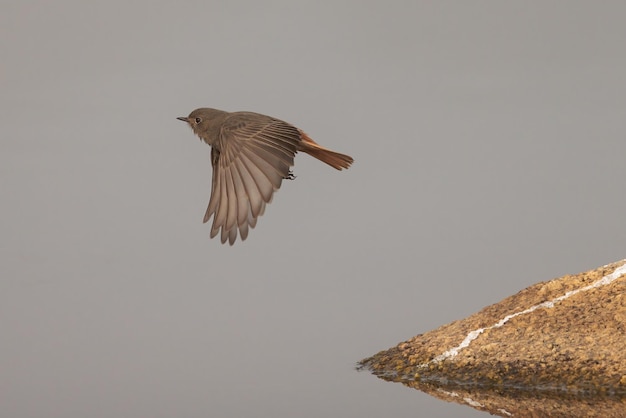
column 251, row 154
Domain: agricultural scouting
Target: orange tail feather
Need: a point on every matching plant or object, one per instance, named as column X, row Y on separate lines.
column 332, row 158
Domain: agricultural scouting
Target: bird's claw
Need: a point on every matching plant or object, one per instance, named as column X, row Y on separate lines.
column 290, row 176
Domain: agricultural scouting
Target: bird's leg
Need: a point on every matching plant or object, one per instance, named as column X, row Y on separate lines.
column 290, row 176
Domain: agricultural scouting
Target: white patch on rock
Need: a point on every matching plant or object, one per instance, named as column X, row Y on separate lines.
column 617, row 273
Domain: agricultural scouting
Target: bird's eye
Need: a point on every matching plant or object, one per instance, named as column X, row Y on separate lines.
column 198, row 120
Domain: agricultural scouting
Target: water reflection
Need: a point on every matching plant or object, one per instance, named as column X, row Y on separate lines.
column 524, row 402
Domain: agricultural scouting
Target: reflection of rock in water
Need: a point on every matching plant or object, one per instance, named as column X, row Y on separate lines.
column 526, row 404
column 565, row 337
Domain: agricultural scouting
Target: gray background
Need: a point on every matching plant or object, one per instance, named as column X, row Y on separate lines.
column 489, row 146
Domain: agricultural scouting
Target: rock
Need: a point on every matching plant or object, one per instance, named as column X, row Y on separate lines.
column 565, row 336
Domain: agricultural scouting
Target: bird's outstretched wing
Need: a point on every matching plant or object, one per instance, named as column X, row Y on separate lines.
column 250, row 159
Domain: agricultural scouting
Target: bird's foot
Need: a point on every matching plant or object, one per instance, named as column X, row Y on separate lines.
column 290, row 176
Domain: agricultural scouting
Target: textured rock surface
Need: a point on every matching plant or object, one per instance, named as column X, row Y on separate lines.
column 565, row 336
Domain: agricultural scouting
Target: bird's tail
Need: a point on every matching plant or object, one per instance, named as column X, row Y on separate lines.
column 332, row 158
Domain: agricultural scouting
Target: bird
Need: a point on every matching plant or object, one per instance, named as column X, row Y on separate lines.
column 251, row 154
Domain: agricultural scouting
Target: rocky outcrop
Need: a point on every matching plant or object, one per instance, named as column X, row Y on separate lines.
column 566, row 336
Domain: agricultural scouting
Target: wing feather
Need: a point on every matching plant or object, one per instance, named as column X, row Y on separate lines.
column 215, row 193
column 251, row 157
column 255, row 199
column 219, row 218
column 232, row 199
column 262, row 180
column 243, row 202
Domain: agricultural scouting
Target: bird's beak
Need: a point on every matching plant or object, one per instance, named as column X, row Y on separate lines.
column 183, row 118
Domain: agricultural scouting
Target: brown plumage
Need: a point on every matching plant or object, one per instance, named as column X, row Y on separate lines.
column 251, row 154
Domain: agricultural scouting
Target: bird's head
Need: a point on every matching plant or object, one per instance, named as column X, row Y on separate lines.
column 199, row 120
